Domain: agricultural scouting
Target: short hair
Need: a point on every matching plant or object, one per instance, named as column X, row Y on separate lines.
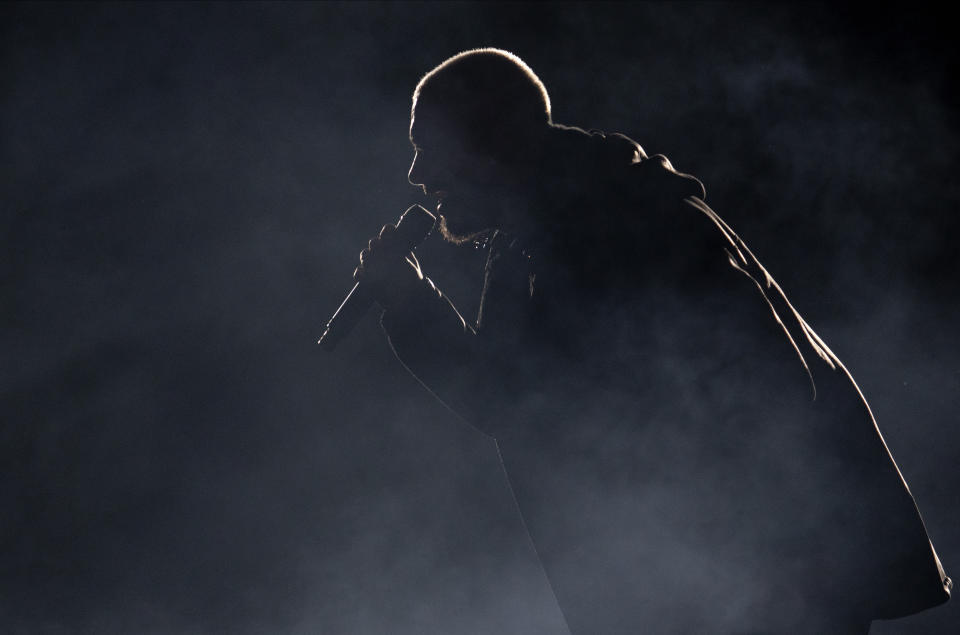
column 482, row 91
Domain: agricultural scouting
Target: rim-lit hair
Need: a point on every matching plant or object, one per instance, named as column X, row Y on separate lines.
column 484, row 90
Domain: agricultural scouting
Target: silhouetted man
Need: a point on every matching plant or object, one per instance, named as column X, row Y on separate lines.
column 688, row 455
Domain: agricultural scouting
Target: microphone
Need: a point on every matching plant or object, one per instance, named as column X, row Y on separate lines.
column 412, row 228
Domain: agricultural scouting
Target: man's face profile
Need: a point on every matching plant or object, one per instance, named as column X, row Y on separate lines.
column 469, row 185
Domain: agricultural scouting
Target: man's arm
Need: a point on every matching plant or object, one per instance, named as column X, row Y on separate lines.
column 426, row 332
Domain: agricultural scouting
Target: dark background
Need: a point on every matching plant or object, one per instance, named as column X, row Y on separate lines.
column 185, row 188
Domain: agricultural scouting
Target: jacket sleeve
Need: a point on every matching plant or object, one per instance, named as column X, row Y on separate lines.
column 870, row 516
column 468, row 366
column 440, row 348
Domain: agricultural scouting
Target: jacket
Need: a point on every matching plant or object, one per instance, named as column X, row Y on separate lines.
column 687, row 453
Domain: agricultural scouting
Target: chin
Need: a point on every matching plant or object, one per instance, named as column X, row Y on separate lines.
column 458, row 235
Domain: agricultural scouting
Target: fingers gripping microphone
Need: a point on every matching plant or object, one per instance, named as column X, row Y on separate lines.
column 412, row 228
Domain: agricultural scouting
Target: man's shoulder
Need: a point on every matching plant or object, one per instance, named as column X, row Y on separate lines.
column 608, row 157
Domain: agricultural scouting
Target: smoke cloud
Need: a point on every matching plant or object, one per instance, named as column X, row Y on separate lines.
column 185, row 191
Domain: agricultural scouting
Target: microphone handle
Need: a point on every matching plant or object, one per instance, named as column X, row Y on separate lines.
column 351, row 310
column 412, row 228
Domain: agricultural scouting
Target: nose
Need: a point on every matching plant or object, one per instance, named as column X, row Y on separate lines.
column 414, row 174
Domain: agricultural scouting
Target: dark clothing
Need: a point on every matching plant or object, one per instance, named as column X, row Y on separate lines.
column 688, row 455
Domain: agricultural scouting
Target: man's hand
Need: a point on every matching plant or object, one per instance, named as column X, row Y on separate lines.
column 389, row 274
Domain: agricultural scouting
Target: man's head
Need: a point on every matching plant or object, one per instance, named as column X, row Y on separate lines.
column 477, row 125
